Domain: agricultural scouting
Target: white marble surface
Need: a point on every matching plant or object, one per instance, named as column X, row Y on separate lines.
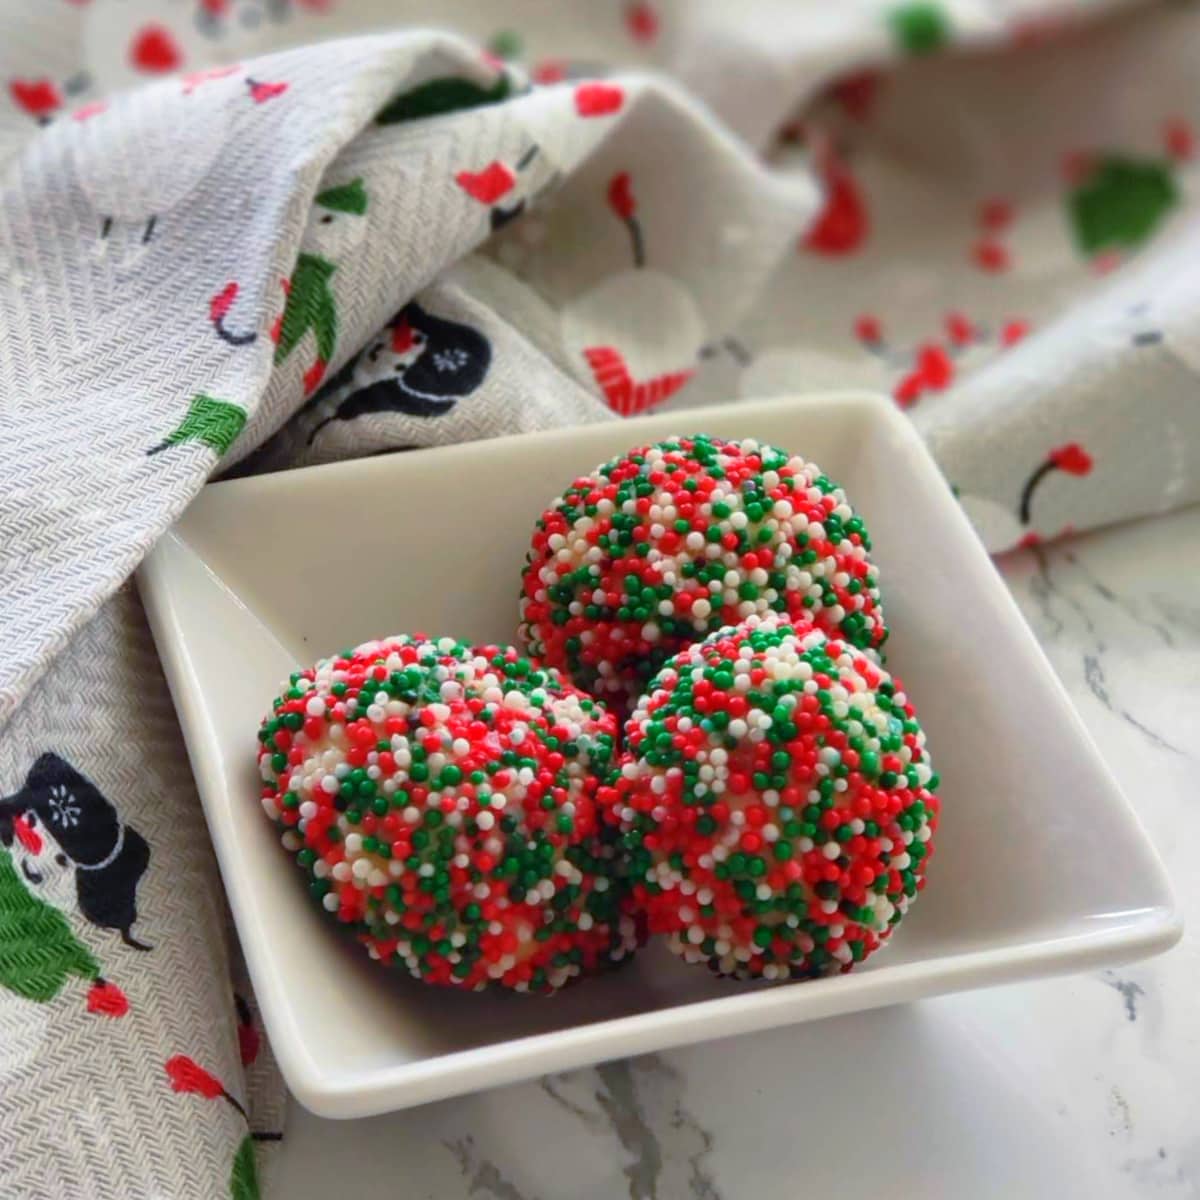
column 1085, row 1086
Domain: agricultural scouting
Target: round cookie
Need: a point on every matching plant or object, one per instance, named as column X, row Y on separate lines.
column 441, row 799
column 657, row 548
column 776, row 802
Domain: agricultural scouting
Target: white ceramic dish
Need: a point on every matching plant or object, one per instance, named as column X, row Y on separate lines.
column 1041, row 866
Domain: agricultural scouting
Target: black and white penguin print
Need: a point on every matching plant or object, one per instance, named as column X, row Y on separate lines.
column 72, row 848
column 419, row 365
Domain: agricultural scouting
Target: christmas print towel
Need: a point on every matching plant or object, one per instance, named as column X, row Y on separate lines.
column 256, row 234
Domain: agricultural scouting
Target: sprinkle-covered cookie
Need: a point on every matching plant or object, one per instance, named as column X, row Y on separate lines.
column 776, row 802
column 661, row 546
column 441, row 799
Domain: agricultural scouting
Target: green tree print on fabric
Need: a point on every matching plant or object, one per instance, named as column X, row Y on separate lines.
column 214, row 422
column 919, row 28
column 1120, row 202
column 448, row 94
column 243, row 1178
column 38, row 951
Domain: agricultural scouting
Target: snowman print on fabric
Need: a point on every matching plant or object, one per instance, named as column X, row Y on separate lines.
column 43, row 99
column 420, row 365
column 1000, row 527
column 336, row 225
column 637, row 335
column 124, row 44
column 935, row 362
column 507, row 191
column 949, row 349
column 64, row 852
column 128, row 42
column 1166, row 354
column 221, row 19
column 125, row 154
column 503, row 189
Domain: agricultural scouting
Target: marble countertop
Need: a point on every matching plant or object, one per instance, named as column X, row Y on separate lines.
column 1084, row 1086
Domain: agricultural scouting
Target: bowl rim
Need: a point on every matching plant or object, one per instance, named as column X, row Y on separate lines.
column 1143, row 932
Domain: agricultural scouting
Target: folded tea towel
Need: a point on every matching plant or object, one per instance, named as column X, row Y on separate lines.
column 254, row 234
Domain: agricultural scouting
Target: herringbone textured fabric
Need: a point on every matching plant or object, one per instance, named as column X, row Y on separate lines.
column 87, row 1107
column 90, row 321
column 233, row 238
column 293, row 234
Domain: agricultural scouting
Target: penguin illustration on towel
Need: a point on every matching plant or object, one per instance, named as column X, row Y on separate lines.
column 420, row 365
column 71, row 848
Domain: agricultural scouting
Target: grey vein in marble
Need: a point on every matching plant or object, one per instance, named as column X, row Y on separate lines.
column 1178, row 612
column 1093, row 672
column 1106, row 593
column 483, row 1177
column 1120, row 1112
column 1129, row 990
column 1046, row 590
column 664, row 1161
column 624, row 1111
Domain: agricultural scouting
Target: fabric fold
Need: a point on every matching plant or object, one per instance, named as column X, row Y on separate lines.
column 218, row 256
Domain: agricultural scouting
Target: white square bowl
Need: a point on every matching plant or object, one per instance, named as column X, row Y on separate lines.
column 1041, row 867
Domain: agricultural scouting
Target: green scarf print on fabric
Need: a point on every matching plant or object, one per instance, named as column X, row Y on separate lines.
column 38, row 951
